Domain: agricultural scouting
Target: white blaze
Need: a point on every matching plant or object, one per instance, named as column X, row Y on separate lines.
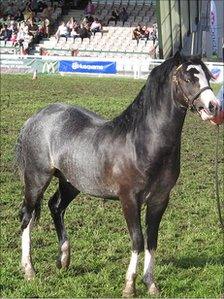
column 207, row 96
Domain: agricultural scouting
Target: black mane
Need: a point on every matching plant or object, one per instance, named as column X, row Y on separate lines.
column 150, row 97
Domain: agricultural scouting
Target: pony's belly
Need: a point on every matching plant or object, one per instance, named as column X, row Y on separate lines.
column 92, row 187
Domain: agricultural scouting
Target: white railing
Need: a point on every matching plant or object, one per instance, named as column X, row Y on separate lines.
column 139, row 68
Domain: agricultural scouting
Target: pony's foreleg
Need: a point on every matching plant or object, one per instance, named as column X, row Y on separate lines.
column 26, row 260
column 58, row 204
column 131, row 212
column 154, row 214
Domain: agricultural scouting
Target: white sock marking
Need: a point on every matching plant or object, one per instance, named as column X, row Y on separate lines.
column 26, row 245
column 132, row 266
column 148, row 266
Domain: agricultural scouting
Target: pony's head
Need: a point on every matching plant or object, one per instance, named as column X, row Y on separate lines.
column 192, row 88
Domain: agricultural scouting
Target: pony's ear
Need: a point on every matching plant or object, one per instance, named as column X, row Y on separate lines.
column 177, row 57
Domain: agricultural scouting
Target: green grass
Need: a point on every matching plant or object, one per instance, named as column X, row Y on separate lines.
column 189, row 259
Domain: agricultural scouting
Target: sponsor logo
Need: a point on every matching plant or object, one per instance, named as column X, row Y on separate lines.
column 49, row 67
column 76, row 65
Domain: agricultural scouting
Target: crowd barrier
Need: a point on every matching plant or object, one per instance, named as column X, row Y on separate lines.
column 139, row 68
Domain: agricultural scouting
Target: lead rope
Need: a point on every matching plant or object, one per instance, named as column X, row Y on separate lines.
column 218, row 201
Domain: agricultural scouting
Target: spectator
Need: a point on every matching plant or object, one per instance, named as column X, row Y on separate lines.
column 13, row 26
column 138, row 33
column 114, row 16
column 41, row 6
column 24, row 39
column 19, row 16
column 5, row 33
column 96, row 26
column 33, row 30
column 13, row 38
column 123, row 16
column 145, row 33
column 90, row 8
column 28, row 13
column 152, row 34
column 70, row 24
column 84, row 31
column 11, row 9
column 75, row 32
column 62, row 31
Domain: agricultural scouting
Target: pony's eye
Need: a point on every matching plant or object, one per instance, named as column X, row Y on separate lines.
column 187, row 80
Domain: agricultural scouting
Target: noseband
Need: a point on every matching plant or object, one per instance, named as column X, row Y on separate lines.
column 189, row 101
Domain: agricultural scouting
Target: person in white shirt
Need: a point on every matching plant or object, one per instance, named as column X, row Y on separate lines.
column 96, row 26
column 62, row 31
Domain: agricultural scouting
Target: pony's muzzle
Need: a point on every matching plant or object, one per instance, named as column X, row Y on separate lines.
column 209, row 109
column 213, row 107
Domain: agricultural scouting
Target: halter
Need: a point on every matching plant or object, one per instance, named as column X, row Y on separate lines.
column 189, row 101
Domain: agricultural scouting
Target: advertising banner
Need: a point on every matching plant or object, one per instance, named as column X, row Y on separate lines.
column 213, row 27
column 217, row 73
column 84, row 66
column 16, row 64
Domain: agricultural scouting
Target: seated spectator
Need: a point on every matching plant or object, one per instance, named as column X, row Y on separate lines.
column 123, row 16
column 42, row 30
column 152, row 34
column 114, row 16
column 11, row 9
column 96, row 26
column 90, row 8
column 19, row 16
column 24, row 38
column 13, row 38
column 33, row 30
column 145, row 33
column 138, row 33
column 13, row 26
column 41, row 6
column 70, row 24
column 84, row 31
column 75, row 32
column 28, row 13
column 47, row 27
column 5, row 33
column 62, row 31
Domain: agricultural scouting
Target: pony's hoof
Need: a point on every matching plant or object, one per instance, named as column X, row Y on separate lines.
column 153, row 290
column 29, row 274
column 129, row 291
column 62, row 263
column 63, row 260
column 126, row 294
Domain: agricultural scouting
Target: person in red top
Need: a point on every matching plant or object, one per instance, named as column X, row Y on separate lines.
column 219, row 118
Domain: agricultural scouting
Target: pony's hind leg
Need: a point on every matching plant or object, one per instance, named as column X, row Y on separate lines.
column 35, row 185
column 58, row 204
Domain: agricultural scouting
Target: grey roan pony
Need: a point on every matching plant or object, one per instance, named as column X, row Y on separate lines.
column 134, row 157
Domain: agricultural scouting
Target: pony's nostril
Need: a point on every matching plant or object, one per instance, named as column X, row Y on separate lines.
column 211, row 107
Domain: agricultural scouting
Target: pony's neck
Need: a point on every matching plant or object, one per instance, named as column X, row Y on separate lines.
column 150, row 114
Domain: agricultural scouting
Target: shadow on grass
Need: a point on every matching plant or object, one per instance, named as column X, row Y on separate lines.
column 194, row 262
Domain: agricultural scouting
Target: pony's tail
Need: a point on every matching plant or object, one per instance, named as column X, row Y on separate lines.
column 27, row 211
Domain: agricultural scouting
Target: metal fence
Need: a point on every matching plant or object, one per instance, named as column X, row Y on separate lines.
column 135, row 67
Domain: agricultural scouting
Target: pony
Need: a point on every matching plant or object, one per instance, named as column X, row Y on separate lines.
column 134, row 157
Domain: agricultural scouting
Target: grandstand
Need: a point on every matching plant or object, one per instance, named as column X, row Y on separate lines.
column 115, row 40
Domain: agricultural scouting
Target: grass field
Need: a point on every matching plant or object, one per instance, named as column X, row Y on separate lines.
column 189, row 260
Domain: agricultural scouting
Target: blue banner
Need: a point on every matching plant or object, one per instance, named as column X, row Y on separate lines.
column 79, row 66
